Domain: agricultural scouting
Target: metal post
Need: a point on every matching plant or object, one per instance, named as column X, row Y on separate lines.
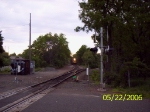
column 30, row 40
column 88, row 72
column 16, row 72
column 101, row 56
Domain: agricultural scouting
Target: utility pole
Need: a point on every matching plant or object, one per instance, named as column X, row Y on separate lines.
column 101, row 56
column 30, row 39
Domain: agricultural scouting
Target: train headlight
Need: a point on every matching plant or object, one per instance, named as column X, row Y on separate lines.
column 74, row 59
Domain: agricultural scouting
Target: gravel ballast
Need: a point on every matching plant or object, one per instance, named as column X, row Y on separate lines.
column 7, row 81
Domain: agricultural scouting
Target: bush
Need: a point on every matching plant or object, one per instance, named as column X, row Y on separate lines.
column 5, row 69
column 37, row 69
column 95, row 76
column 135, row 83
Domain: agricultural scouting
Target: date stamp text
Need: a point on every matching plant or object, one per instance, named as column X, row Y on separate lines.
column 121, row 97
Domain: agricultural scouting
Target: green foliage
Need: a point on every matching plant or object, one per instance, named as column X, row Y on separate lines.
column 113, row 79
column 143, row 89
column 5, row 59
column 128, row 31
column 80, row 53
column 25, row 54
column 135, row 68
column 1, row 43
column 13, row 54
column 136, row 82
column 86, row 57
column 49, row 50
column 37, row 69
column 5, row 69
column 1, row 50
column 95, row 76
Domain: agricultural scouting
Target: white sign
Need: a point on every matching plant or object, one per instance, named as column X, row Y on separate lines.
column 18, row 68
column 87, row 71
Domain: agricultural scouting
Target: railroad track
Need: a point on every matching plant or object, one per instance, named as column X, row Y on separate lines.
column 21, row 98
column 15, row 91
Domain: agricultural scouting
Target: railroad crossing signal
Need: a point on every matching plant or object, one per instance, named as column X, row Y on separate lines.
column 108, row 50
column 94, row 49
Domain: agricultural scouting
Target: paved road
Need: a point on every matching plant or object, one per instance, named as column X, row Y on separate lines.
column 77, row 97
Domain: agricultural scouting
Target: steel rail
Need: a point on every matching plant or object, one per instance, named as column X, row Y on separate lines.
column 24, row 99
column 16, row 91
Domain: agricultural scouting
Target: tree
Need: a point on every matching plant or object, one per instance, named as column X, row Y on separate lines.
column 89, row 59
column 13, row 54
column 1, row 43
column 50, row 50
column 95, row 14
column 25, row 54
column 5, row 58
column 85, row 56
column 62, row 51
column 19, row 55
column 1, row 49
column 80, row 53
column 128, row 31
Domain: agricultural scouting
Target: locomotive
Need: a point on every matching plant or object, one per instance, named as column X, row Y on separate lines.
column 73, row 61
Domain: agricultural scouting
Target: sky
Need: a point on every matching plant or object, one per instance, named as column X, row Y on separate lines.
column 55, row 16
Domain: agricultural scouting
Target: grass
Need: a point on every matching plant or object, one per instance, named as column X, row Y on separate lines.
column 133, row 91
column 4, row 72
column 139, row 86
column 37, row 69
column 97, row 82
column 8, row 71
column 144, row 90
